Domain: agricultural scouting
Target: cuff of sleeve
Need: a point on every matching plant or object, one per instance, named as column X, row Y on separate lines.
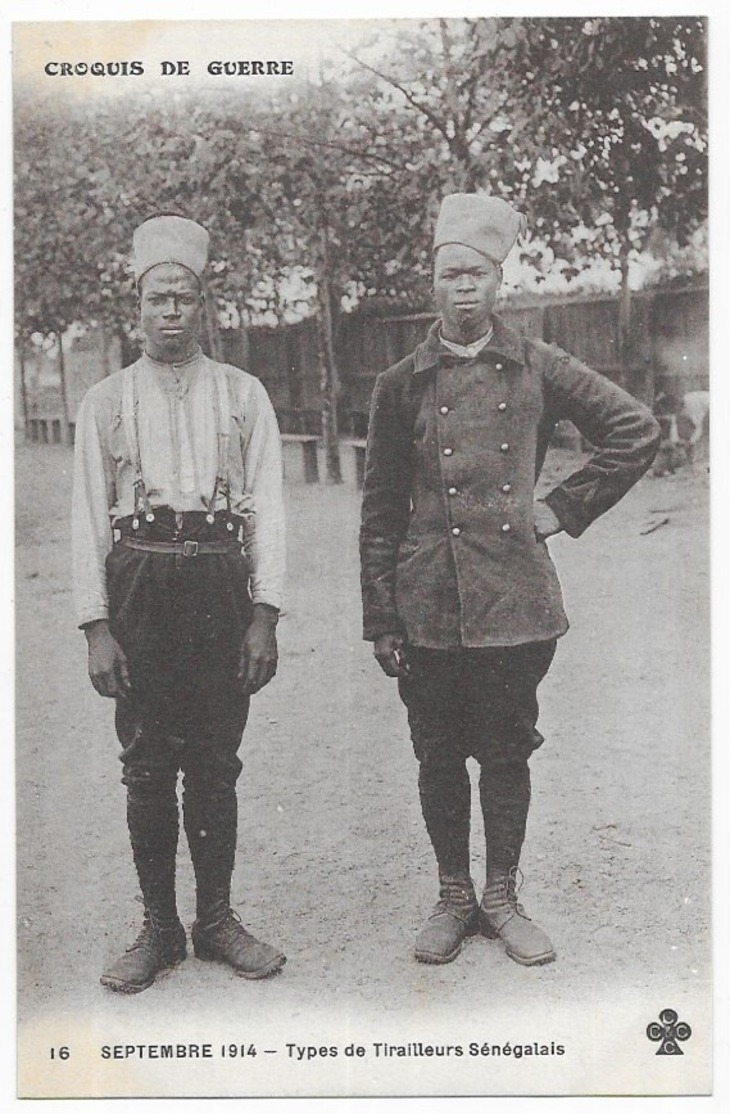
column 271, row 599
column 91, row 616
column 381, row 623
column 564, row 507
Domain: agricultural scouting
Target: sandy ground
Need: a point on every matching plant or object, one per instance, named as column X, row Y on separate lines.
column 334, row 864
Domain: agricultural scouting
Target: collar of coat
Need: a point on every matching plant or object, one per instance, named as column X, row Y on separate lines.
column 505, row 342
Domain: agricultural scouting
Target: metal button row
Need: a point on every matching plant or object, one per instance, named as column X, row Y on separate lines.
column 501, row 406
column 456, row 530
column 504, row 447
column 506, row 488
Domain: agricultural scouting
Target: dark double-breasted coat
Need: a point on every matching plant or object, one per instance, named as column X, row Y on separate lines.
column 449, row 554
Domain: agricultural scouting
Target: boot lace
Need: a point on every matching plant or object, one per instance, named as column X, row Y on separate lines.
column 508, row 886
column 456, row 898
column 148, row 938
column 152, row 936
column 515, row 882
column 229, row 928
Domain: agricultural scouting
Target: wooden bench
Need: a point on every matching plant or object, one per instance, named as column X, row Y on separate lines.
column 309, row 443
column 358, row 445
column 48, row 431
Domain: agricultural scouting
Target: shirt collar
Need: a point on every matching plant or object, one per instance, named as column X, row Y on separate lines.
column 504, row 342
column 467, row 351
column 196, row 356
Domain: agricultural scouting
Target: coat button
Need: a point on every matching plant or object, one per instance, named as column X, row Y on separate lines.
column 506, row 528
column 455, row 530
column 499, row 367
column 452, row 491
column 444, row 409
column 504, row 446
column 502, row 406
column 506, row 488
column 448, row 452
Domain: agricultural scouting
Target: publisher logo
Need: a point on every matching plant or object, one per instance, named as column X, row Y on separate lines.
column 669, row 1031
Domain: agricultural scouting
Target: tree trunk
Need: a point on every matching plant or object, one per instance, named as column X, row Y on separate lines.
column 244, row 346
column 637, row 365
column 330, row 380
column 294, row 379
column 65, row 416
column 106, row 343
column 212, row 329
column 624, row 306
column 23, row 384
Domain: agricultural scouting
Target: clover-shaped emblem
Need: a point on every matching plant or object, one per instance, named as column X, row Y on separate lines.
column 669, row 1030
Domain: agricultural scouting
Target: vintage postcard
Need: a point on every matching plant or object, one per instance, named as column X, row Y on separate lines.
column 271, row 190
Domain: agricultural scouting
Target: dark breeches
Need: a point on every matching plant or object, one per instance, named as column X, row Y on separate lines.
column 483, row 704
column 180, row 622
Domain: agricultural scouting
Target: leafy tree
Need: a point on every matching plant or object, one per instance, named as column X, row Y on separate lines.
column 325, row 192
column 433, row 95
column 618, row 144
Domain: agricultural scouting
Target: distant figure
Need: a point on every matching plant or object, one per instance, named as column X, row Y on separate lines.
column 460, row 595
column 693, row 421
column 685, row 424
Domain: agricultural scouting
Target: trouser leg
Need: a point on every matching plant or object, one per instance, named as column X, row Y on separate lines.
column 431, row 696
column 445, row 794
column 211, row 768
column 504, row 714
column 211, row 822
column 504, row 792
column 503, row 711
column 150, row 775
column 210, row 807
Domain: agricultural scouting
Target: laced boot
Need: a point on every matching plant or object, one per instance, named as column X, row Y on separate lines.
column 220, row 935
column 455, row 916
column 504, row 918
column 155, row 950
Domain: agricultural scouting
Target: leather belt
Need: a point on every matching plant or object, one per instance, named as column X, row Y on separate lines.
column 188, row 548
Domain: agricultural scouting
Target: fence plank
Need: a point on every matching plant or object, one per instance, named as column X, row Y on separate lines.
column 668, row 350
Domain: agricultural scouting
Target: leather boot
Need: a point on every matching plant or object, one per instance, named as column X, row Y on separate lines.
column 155, row 950
column 210, row 814
column 218, row 934
column 502, row 917
column 455, row 916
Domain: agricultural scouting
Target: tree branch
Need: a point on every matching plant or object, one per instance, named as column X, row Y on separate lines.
column 430, row 115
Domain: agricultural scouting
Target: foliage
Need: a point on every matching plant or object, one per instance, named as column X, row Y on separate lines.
column 322, row 195
column 617, row 146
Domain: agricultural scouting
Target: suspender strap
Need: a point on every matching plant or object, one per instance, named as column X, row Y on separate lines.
column 129, row 419
column 222, row 409
column 222, row 406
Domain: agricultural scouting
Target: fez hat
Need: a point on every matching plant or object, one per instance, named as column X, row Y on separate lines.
column 169, row 239
column 487, row 224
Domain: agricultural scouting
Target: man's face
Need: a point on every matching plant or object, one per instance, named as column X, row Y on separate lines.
column 171, row 307
column 465, row 285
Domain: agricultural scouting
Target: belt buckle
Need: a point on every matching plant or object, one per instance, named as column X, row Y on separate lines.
column 190, row 549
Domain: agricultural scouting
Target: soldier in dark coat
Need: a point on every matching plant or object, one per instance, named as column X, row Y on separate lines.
column 460, row 595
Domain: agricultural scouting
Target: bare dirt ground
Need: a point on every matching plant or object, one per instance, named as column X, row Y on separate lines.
column 334, row 864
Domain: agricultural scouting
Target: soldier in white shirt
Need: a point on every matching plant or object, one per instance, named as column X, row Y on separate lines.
column 178, row 541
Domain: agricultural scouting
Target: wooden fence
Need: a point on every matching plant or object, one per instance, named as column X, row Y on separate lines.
column 667, row 350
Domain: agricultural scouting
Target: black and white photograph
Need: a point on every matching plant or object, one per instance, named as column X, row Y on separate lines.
column 361, row 414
